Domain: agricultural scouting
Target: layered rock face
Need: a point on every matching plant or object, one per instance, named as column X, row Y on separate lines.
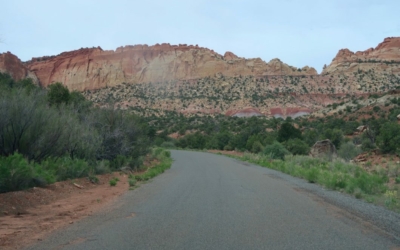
column 385, row 58
column 13, row 66
column 192, row 79
column 94, row 68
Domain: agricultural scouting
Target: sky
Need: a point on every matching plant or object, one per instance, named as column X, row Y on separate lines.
column 300, row 33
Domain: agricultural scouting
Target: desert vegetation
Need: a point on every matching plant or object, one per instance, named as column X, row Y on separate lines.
column 284, row 145
column 48, row 135
column 221, row 93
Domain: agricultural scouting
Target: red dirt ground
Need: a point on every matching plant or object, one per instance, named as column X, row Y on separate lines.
column 30, row 215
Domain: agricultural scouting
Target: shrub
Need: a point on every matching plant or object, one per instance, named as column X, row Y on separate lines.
column 17, row 173
column 168, row 144
column 102, row 167
column 275, row 151
column 312, row 175
column 132, row 182
column 257, row 147
column 297, row 147
column 58, row 94
column 67, row 168
column 348, row 151
column 367, row 145
column 388, row 140
column 335, row 135
column 93, row 179
column 113, row 182
column 288, row 131
column 376, row 108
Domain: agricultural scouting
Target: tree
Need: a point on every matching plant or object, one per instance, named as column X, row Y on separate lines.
column 58, row 94
column 335, row 135
column 288, row 131
column 311, row 136
column 297, row 146
column 275, row 151
column 389, row 138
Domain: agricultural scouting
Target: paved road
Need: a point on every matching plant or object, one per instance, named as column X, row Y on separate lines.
column 208, row 201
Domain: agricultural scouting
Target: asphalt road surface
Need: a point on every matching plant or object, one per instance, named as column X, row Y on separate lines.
column 208, row 201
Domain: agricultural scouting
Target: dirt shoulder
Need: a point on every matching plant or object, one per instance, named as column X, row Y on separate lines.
column 30, row 215
column 234, row 153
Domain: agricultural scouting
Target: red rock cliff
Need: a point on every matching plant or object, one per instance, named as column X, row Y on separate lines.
column 94, row 68
column 13, row 66
column 385, row 57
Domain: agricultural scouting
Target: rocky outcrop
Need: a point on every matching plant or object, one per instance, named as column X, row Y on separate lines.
column 246, row 112
column 13, row 66
column 95, row 68
column 323, row 149
column 384, row 58
column 294, row 112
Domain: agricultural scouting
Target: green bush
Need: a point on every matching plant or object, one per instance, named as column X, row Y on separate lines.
column 367, row 145
column 17, row 173
column 58, row 94
column 67, row 168
column 164, row 157
column 297, row 146
column 388, row 140
column 335, row 135
column 132, row 182
column 257, row 147
column 113, row 182
column 275, row 151
column 312, row 175
column 288, row 131
column 168, row 144
column 93, row 179
column 335, row 175
column 348, row 151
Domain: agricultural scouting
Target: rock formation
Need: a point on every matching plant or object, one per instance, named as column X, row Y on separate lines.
column 94, row 68
column 191, row 79
column 323, row 149
column 13, row 66
column 385, row 58
column 246, row 112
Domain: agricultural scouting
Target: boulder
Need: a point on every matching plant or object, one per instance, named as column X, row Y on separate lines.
column 324, row 149
column 362, row 128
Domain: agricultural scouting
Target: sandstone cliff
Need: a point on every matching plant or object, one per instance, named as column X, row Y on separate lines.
column 199, row 80
column 13, row 66
column 94, row 68
column 385, row 58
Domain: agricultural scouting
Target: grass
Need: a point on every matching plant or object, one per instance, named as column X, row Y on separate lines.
column 337, row 175
column 163, row 156
column 114, row 181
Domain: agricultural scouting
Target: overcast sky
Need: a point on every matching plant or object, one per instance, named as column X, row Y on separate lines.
column 307, row 32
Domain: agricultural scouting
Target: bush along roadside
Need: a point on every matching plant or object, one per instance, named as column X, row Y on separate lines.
column 18, row 173
column 373, row 186
column 164, row 161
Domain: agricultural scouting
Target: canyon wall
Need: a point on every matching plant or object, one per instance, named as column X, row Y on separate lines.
column 13, row 66
column 384, row 59
column 94, row 68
